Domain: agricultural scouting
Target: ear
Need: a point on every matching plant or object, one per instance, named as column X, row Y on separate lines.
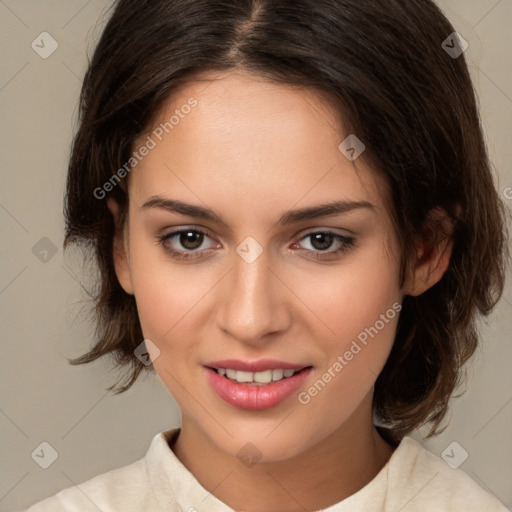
column 434, row 249
column 120, row 251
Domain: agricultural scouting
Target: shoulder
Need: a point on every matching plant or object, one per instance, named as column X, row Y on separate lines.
column 128, row 488
column 117, row 489
column 419, row 480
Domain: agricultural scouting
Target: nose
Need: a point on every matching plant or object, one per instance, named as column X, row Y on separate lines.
column 255, row 301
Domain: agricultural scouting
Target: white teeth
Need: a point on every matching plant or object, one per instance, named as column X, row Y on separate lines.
column 244, row 376
column 263, row 377
column 277, row 374
column 230, row 374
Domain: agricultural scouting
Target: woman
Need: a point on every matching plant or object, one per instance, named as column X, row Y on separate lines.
column 292, row 209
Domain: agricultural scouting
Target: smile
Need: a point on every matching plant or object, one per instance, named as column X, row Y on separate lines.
column 259, row 390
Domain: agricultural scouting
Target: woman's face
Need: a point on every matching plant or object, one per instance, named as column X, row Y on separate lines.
column 264, row 281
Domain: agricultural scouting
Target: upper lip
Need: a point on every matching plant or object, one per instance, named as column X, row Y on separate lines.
column 255, row 366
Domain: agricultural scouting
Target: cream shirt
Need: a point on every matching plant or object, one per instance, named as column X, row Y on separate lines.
column 413, row 480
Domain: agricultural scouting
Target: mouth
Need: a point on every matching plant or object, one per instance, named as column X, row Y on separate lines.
column 258, row 390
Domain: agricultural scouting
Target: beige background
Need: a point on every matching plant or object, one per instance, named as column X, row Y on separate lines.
column 45, row 399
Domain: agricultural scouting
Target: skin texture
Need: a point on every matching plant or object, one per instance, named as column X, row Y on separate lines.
column 251, row 150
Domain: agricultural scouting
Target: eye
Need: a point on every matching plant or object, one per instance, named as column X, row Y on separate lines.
column 189, row 239
column 321, row 241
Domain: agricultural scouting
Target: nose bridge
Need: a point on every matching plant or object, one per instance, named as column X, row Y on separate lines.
column 251, row 304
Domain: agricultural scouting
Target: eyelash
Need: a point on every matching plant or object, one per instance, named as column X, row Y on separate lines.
column 346, row 241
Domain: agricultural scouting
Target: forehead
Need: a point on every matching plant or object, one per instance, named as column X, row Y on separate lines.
column 250, row 141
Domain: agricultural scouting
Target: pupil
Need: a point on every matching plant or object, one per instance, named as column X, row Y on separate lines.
column 187, row 239
column 319, row 237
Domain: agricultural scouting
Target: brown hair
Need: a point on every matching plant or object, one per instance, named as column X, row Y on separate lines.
column 383, row 66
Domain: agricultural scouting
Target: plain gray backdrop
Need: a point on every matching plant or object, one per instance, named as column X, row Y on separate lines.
column 43, row 399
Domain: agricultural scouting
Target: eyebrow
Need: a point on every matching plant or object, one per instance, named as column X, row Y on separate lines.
column 289, row 217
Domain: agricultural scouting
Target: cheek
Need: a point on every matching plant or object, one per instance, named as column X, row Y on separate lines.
column 165, row 298
column 349, row 298
column 165, row 292
column 357, row 309
column 170, row 303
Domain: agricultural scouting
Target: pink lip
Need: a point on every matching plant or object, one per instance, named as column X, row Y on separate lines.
column 253, row 397
column 255, row 366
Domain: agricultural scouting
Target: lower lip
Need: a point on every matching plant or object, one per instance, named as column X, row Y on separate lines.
column 253, row 397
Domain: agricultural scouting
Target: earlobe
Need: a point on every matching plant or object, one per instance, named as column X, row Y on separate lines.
column 434, row 250
column 120, row 253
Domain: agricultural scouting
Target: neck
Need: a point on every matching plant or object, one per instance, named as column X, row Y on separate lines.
column 325, row 474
